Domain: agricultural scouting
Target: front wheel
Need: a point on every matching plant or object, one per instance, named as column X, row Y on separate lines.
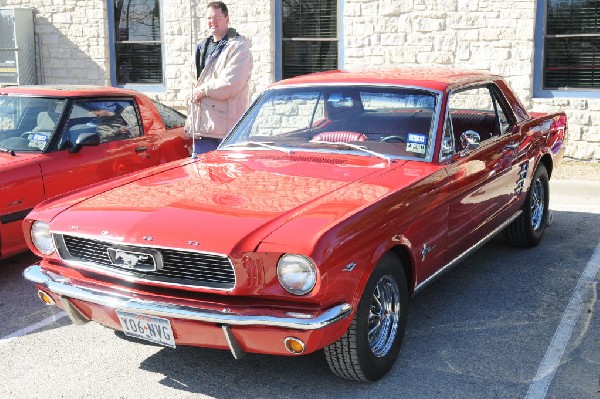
column 527, row 230
column 369, row 348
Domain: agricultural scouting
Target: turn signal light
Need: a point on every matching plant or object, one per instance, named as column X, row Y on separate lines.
column 47, row 299
column 294, row 345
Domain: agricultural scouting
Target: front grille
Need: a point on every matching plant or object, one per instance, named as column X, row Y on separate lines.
column 178, row 267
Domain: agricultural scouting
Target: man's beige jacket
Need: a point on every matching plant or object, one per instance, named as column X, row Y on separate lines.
column 223, row 84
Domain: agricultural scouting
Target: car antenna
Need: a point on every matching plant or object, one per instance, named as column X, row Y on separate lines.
column 194, row 73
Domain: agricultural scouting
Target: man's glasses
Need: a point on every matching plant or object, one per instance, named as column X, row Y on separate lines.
column 215, row 18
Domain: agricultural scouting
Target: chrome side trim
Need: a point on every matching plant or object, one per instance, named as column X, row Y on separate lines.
column 462, row 256
column 64, row 287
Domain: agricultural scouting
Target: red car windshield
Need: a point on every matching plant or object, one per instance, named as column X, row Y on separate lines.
column 28, row 124
column 391, row 122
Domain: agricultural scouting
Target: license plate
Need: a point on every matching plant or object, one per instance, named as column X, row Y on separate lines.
column 150, row 328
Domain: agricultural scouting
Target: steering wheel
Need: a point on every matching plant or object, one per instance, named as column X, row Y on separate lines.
column 392, row 139
column 26, row 135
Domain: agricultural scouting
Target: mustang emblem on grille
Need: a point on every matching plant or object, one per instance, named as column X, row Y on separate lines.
column 142, row 259
column 131, row 259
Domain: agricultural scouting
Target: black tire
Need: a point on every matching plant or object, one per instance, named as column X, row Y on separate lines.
column 357, row 357
column 527, row 230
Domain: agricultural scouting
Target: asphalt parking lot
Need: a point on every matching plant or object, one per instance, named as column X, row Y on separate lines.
column 507, row 323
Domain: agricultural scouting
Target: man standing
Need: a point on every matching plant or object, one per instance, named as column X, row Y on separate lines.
column 223, row 68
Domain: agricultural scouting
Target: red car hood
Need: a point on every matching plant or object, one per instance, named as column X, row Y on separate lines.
column 229, row 202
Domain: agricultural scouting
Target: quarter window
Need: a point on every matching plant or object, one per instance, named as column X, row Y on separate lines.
column 137, row 42
column 171, row 118
column 310, row 36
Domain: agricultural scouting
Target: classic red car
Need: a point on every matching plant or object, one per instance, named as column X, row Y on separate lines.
column 334, row 199
column 42, row 134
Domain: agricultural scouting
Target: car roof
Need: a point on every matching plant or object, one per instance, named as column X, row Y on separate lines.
column 67, row 91
column 427, row 77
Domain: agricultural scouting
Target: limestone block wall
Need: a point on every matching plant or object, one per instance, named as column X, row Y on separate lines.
column 496, row 36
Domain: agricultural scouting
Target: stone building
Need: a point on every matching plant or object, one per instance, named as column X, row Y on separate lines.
column 546, row 49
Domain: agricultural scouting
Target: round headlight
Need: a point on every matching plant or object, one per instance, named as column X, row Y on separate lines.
column 297, row 274
column 42, row 238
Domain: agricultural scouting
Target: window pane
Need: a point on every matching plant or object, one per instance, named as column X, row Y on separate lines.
column 312, row 18
column 137, row 42
column 572, row 17
column 112, row 119
column 301, row 57
column 305, row 24
column 28, row 123
column 572, row 62
column 137, row 20
column 171, row 118
column 138, row 63
column 572, row 44
column 286, row 114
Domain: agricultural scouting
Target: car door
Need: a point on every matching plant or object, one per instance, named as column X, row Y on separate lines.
column 123, row 146
column 484, row 174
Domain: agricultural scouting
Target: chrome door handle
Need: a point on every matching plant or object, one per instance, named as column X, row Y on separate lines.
column 141, row 149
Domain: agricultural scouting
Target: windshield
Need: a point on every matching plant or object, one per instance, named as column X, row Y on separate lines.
column 390, row 122
column 28, row 123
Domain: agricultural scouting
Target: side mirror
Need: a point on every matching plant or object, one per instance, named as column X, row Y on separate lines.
column 85, row 140
column 469, row 141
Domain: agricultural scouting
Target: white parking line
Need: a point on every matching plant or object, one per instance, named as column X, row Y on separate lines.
column 549, row 365
column 32, row 328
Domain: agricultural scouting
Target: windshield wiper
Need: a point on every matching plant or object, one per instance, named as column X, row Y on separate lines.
column 7, row 151
column 266, row 144
column 356, row 147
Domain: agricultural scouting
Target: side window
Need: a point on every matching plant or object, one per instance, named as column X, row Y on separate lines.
column 475, row 109
column 112, row 119
column 171, row 118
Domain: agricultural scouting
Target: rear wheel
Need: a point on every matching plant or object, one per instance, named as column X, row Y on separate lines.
column 527, row 230
column 371, row 345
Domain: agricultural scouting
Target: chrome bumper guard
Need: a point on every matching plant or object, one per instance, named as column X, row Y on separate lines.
column 66, row 290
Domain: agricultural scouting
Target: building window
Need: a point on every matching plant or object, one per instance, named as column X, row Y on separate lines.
column 571, row 45
column 137, row 42
column 309, row 36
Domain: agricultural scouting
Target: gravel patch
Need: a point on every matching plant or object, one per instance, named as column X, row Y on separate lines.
column 571, row 169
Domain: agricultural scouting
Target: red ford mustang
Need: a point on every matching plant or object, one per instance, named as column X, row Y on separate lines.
column 43, row 132
column 334, row 199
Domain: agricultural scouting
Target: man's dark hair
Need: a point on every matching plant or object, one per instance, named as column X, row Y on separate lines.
column 219, row 4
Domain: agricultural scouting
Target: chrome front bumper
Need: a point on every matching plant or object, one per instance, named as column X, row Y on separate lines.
column 66, row 290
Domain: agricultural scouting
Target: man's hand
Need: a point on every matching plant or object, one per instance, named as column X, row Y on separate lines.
column 196, row 96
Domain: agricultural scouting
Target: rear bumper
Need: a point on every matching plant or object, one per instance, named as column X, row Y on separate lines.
column 79, row 302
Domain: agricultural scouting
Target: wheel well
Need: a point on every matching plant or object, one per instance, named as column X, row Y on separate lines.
column 402, row 253
column 547, row 161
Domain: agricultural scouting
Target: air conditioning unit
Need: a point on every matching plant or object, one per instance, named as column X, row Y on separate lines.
column 17, row 48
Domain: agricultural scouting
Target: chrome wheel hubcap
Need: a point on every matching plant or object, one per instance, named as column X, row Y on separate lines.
column 537, row 204
column 384, row 314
